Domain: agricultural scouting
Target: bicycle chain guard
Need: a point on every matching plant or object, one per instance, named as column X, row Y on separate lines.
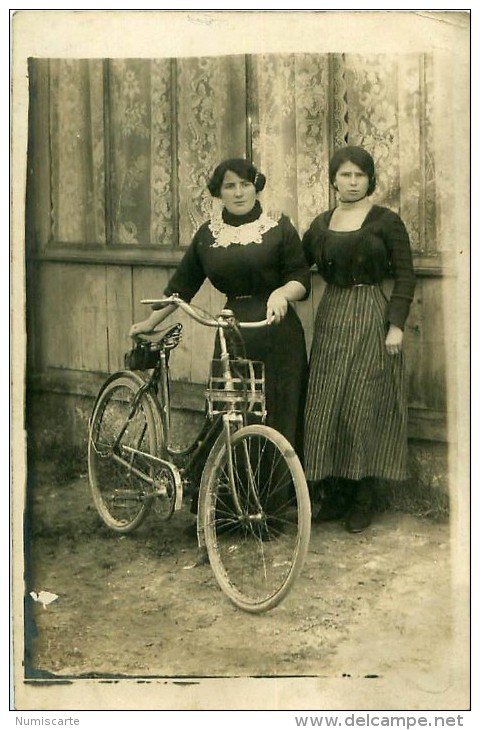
column 160, row 466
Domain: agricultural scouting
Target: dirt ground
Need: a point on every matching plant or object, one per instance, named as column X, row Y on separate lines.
column 375, row 607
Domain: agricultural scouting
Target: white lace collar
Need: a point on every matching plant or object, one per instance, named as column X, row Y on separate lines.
column 224, row 234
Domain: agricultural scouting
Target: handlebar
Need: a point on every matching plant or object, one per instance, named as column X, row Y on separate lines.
column 202, row 317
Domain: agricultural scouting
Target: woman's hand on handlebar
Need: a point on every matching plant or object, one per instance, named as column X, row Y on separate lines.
column 277, row 303
column 277, row 306
column 149, row 324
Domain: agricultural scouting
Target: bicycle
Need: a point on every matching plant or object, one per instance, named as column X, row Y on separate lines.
column 253, row 517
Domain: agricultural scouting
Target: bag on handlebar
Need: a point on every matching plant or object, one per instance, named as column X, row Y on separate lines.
column 142, row 357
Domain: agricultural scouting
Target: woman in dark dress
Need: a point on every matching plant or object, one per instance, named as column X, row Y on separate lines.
column 257, row 261
column 356, row 410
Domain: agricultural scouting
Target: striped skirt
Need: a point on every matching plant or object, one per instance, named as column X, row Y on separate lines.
column 356, row 410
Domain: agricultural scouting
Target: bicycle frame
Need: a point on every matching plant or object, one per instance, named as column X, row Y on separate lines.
column 158, row 387
column 253, row 513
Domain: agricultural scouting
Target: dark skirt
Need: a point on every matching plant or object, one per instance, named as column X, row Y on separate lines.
column 356, row 410
column 282, row 350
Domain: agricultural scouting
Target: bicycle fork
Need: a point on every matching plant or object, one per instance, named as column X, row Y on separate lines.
column 232, row 417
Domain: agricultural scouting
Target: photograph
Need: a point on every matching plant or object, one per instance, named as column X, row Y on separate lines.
column 240, row 248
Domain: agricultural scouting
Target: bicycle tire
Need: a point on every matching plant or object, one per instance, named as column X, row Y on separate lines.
column 121, row 497
column 255, row 554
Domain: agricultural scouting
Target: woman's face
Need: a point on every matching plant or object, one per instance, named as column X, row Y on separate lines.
column 351, row 182
column 237, row 195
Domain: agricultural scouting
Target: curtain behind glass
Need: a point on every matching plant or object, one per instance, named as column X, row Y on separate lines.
column 291, row 134
column 308, row 105
column 169, row 122
column 140, row 122
column 211, row 108
column 77, row 151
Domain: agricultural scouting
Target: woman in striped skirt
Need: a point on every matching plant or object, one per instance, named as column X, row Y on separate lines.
column 356, row 411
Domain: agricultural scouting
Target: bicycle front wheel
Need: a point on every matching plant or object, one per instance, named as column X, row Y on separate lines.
column 256, row 516
column 123, row 425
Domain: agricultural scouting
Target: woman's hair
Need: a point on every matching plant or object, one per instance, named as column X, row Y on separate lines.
column 359, row 157
column 243, row 168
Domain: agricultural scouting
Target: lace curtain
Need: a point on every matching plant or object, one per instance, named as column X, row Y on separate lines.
column 140, row 122
column 211, row 127
column 290, row 135
column 134, row 141
column 309, row 105
column 77, row 155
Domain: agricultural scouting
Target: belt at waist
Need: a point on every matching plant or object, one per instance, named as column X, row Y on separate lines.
column 239, row 297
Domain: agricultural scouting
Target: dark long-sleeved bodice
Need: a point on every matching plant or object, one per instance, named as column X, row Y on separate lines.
column 246, row 255
column 378, row 249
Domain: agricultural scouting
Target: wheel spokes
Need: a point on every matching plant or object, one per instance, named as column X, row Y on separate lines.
column 256, row 545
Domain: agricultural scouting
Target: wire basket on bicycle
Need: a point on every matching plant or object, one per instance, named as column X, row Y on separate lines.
column 242, row 392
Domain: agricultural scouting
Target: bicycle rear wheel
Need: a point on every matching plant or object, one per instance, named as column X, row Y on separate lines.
column 121, row 481
column 257, row 540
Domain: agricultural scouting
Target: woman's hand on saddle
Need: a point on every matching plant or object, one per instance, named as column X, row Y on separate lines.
column 277, row 306
column 394, row 340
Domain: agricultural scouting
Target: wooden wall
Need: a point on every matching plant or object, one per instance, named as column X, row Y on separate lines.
column 80, row 314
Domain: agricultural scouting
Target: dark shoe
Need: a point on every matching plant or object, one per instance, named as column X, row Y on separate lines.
column 360, row 515
column 358, row 520
column 335, row 501
column 330, row 510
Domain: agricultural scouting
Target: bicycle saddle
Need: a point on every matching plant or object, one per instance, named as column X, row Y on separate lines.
column 168, row 338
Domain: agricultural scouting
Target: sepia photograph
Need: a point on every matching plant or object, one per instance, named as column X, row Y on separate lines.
column 240, row 251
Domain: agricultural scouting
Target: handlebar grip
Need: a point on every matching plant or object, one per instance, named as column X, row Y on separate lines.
column 156, row 304
column 253, row 325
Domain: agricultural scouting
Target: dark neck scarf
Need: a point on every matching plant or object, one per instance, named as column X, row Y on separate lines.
column 238, row 220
